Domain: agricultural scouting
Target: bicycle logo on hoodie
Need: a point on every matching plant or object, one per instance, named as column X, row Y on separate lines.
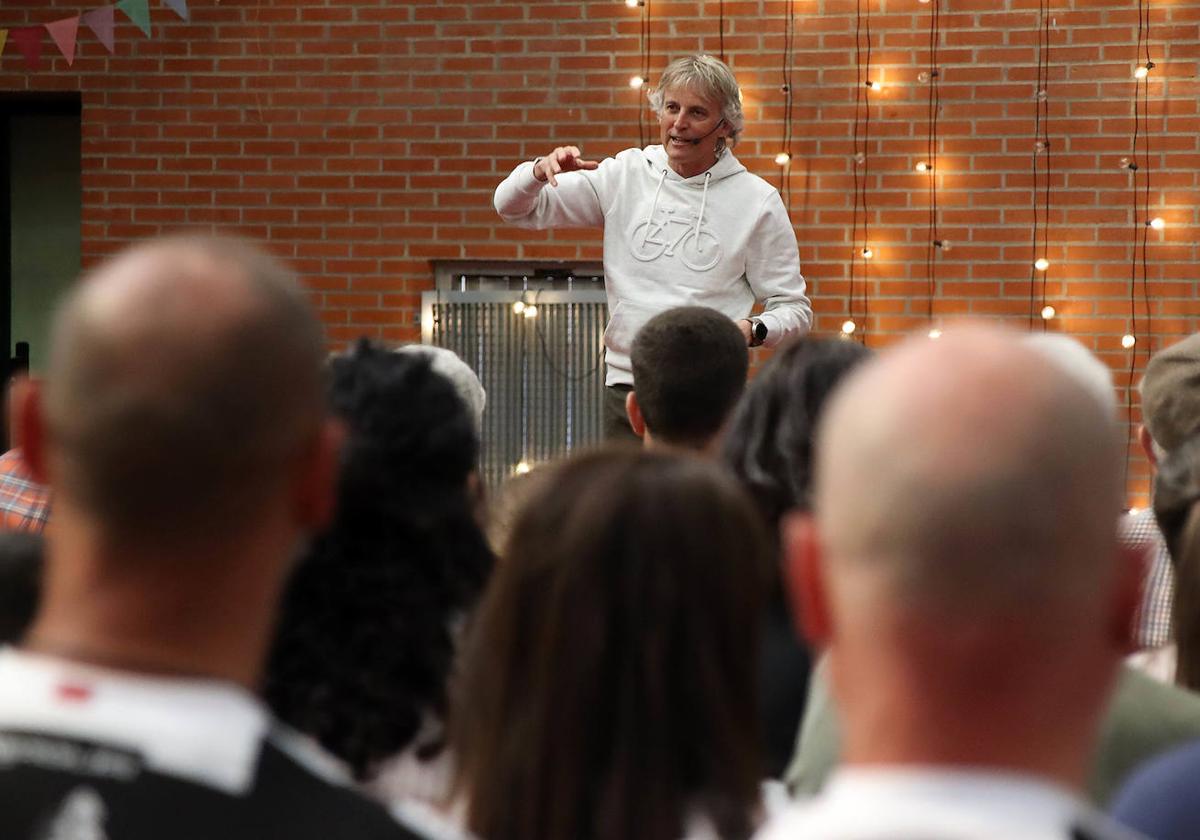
column 698, row 249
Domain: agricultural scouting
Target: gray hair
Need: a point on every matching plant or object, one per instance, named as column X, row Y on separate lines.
column 709, row 77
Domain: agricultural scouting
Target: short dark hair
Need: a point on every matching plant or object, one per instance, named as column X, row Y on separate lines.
column 689, row 368
column 367, row 633
column 769, row 444
column 608, row 687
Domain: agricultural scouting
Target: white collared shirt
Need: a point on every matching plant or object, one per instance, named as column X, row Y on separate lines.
column 933, row 803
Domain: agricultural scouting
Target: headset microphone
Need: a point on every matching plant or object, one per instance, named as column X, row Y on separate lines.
column 696, row 142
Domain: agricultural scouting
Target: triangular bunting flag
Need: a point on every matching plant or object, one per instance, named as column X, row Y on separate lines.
column 3, row 38
column 180, row 7
column 137, row 11
column 100, row 21
column 63, row 32
column 29, row 42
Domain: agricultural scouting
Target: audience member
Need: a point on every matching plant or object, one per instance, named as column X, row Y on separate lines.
column 183, row 433
column 368, row 631
column 961, row 565
column 1170, row 390
column 1176, row 489
column 24, row 502
column 608, row 686
column 689, row 368
column 769, row 449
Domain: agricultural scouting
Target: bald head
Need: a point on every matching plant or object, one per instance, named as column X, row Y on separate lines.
column 182, row 375
column 969, row 475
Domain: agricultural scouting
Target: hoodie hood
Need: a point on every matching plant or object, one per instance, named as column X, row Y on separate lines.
column 725, row 166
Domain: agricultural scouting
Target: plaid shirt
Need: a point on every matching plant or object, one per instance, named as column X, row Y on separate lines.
column 1153, row 623
column 24, row 504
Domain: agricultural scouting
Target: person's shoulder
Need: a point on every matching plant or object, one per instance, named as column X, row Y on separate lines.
column 1158, row 799
column 318, row 800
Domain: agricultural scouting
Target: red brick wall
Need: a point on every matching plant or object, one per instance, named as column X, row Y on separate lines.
column 363, row 139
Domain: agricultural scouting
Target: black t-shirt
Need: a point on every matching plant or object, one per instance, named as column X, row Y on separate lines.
column 73, row 769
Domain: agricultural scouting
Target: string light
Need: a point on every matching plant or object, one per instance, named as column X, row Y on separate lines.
column 926, row 76
column 1041, row 263
column 923, row 166
column 531, row 311
column 848, row 327
column 873, row 85
column 636, row 82
column 522, row 467
column 1128, row 340
column 1157, row 223
column 858, row 302
column 782, row 158
column 1127, row 163
column 1040, row 233
column 1041, row 145
column 633, row 4
column 519, row 307
column 867, row 253
column 935, row 333
column 1048, row 312
column 860, row 158
column 1143, row 70
column 944, row 244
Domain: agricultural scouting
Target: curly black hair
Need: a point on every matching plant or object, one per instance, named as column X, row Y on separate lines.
column 366, row 639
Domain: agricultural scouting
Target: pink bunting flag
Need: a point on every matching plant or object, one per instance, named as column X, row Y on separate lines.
column 64, row 33
column 29, row 42
column 180, row 7
column 100, row 21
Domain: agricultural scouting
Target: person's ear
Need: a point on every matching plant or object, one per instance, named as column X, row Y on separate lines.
column 1147, row 443
column 316, row 485
column 634, row 412
column 804, row 579
column 28, row 432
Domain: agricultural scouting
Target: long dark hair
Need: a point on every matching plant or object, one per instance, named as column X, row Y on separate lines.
column 608, row 689
column 1176, row 491
column 366, row 641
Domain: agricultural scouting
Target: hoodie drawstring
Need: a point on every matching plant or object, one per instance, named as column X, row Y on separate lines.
column 654, row 204
column 703, row 201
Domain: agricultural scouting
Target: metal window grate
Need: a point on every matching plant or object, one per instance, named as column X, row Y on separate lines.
column 544, row 375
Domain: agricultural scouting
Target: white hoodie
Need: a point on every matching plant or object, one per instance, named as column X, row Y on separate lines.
column 720, row 239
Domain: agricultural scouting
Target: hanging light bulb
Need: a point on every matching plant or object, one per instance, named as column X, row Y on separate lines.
column 1041, row 95
column 531, row 311
column 1048, row 312
column 636, row 82
column 1041, row 145
column 935, row 333
column 874, row 85
column 1157, row 223
column 633, row 4
column 848, row 327
column 923, row 166
column 519, row 307
column 944, row 244
column 867, row 253
column 522, row 467
column 860, row 158
column 1127, row 163
column 1041, row 263
column 924, row 76
column 782, row 158
column 1143, row 70
column 1127, row 341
